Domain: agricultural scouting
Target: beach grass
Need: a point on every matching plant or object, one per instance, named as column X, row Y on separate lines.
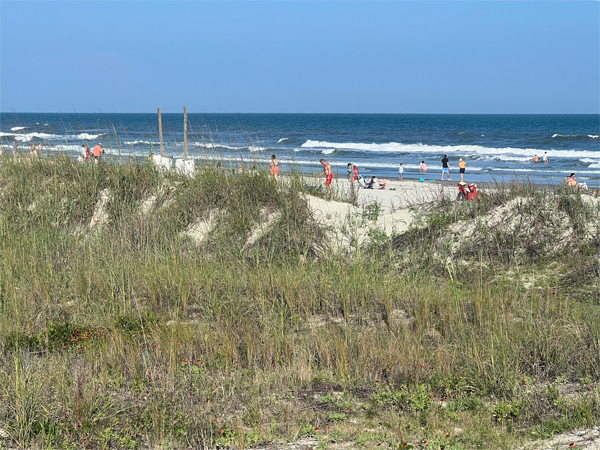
column 132, row 334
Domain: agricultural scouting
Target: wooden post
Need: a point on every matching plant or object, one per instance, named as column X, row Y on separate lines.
column 162, row 146
column 185, row 132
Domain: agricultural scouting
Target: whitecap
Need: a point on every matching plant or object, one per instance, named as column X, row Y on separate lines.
column 593, row 136
column 281, row 140
column 87, row 136
column 18, row 128
column 141, row 142
column 328, row 151
column 476, row 150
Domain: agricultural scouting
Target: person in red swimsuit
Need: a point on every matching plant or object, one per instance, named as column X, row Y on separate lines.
column 274, row 166
column 327, row 172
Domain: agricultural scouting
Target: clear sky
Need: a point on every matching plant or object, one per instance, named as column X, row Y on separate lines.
column 345, row 57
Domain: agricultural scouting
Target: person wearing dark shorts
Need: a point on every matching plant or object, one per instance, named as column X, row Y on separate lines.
column 461, row 168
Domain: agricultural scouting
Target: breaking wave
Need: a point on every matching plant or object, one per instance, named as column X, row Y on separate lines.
column 472, row 150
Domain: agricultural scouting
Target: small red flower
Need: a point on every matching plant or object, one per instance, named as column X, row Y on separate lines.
column 571, row 444
column 118, row 423
column 348, row 409
column 447, row 436
column 425, row 442
column 215, row 420
column 435, row 395
column 317, row 429
column 220, row 432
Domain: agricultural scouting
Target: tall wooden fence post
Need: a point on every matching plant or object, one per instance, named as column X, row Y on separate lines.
column 162, row 146
column 185, row 153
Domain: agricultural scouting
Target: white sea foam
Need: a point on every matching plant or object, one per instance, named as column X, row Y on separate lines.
column 29, row 136
column 282, row 140
column 18, row 128
column 255, row 148
column 589, row 160
column 474, row 150
column 591, row 136
column 26, row 137
column 141, row 142
column 213, row 146
column 329, row 151
column 86, row 136
column 594, row 166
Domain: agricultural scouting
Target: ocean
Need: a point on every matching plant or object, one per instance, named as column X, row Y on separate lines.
column 495, row 147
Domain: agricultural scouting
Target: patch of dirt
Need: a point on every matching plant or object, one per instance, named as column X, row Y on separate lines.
column 585, row 439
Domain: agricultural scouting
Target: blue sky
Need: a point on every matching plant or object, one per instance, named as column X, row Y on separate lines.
column 346, row 57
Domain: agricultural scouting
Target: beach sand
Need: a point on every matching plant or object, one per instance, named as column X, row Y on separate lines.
column 391, row 211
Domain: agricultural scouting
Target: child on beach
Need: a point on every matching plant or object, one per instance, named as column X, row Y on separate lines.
column 274, row 166
column 535, row 159
column 401, row 171
column 423, row 166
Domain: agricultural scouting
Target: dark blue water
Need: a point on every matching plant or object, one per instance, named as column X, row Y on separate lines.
column 494, row 146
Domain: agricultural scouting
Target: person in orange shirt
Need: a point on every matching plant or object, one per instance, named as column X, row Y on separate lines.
column 461, row 167
column 98, row 150
column 535, row 159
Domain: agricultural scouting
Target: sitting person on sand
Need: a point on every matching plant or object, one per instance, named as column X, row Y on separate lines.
column 571, row 182
column 377, row 184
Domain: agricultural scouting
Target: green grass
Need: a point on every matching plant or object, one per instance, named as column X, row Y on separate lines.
column 222, row 344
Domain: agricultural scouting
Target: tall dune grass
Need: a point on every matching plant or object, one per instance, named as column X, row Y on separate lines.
column 131, row 335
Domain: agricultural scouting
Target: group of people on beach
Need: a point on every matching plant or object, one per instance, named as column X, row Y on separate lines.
column 462, row 165
column 96, row 153
column 34, row 150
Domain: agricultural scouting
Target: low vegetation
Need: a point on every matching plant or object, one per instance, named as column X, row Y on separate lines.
column 129, row 322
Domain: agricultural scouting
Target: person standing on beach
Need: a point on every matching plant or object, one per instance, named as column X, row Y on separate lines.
column 461, row 168
column 31, row 149
column 401, row 171
column 445, row 167
column 328, row 174
column 352, row 172
column 274, row 167
column 40, row 147
column 423, row 166
column 545, row 157
column 98, row 150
